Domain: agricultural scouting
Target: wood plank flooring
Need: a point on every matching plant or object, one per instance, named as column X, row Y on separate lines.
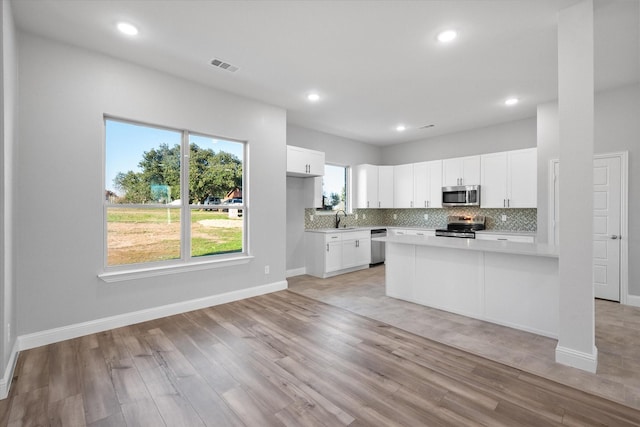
column 283, row 360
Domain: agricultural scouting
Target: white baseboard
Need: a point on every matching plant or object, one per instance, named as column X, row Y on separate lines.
column 5, row 381
column 577, row 359
column 50, row 336
column 296, row 272
column 633, row 300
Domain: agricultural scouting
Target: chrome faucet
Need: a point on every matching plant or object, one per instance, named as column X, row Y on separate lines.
column 338, row 219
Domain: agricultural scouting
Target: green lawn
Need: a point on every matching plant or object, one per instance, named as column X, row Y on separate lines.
column 153, row 234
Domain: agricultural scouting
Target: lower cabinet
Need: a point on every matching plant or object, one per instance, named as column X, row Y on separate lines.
column 330, row 254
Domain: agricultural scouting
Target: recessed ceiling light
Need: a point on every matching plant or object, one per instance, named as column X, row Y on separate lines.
column 511, row 101
column 401, row 128
column 313, row 97
column 447, row 36
column 127, row 29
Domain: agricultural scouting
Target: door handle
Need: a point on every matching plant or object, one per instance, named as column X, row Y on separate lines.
column 615, row 236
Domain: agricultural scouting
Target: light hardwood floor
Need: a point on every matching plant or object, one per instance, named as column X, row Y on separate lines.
column 284, row 360
column 617, row 334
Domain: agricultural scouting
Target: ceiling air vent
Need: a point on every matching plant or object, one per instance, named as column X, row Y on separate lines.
column 224, row 65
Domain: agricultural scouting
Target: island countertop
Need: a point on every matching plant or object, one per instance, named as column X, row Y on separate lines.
column 532, row 249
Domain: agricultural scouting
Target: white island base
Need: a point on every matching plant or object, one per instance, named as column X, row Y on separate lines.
column 511, row 284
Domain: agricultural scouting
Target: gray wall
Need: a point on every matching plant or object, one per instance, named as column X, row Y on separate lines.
column 63, row 93
column 7, row 185
column 617, row 128
column 503, row 137
column 339, row 151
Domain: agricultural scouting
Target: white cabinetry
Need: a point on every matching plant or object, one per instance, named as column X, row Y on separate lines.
column 302, row 162
column 403, row 186
column 412, row 232
column 385, row 186
column 506, row 237
column 329, row 254
column 373, row 186
column 365, row 183
column 509, row 179
column 461, row 171
column 427, row 184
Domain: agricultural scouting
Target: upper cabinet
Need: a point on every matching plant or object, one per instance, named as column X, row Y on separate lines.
column 509, row 179
column 373, row 186
column 385, row 186
column 461, row 171
column 365, row 184
column 302, row 162
column 403, row 185
column 427, row 184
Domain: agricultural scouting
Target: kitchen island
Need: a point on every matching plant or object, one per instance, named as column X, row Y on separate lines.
column 512, row 284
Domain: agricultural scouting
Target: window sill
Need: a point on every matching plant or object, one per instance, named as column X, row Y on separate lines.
column 142, row 273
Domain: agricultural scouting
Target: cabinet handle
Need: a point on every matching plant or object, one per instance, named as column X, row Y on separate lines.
column 357, row 243
column 378, row 204
column 411, row 203
column 504, row 203
column 367, row 203
column 508, row 203
column 327, row 247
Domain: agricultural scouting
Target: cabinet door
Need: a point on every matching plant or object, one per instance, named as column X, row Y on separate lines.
column 296, row 163
column 434, row 184
column 471, row 170
column 303, row 162
column 333, row 257
column 522, row 186
column 493, row 190
column 363, row 252
column 315, row 160
column 421, row 185
column 366, row 186
column 385, row 186
column 451, row 172
column 403, row 186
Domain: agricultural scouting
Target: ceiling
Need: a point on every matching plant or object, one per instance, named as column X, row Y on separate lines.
column 375, row 64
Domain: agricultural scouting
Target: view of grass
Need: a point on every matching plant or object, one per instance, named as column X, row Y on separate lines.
column 153, row 234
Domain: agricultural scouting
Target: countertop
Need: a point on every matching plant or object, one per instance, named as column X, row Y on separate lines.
column 532, row 249
column 368, row 228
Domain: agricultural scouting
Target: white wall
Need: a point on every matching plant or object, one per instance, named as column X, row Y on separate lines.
column 7, row 185
column 63, row 93
column 617, row 128
column 339, row 151
column 503, row 137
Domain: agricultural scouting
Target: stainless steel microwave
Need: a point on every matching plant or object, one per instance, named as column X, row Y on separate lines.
column 461, row 195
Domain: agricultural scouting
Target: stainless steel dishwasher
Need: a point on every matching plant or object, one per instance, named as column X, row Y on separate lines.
column 377, row 248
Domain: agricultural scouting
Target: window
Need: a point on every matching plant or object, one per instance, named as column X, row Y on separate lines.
column 334, row 187
column 159, row 209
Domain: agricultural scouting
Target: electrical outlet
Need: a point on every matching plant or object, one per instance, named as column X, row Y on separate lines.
column 364, row 216
column 395, row 216
column 504, row 218
column 426, row 217
column 356, row 217
column 266, row 269
column 311, row 218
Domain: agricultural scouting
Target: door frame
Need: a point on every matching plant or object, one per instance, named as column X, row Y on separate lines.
column 624, row 217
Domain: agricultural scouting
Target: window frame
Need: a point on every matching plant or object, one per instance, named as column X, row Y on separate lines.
column 186, row 261
column 348, row 191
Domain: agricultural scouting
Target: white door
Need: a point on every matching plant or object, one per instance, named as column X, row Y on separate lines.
column 606, row 228
column 607, row 204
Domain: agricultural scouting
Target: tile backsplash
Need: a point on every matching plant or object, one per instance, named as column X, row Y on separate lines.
column 516, row 219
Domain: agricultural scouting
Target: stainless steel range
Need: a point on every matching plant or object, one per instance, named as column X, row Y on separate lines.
column 462, row 226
